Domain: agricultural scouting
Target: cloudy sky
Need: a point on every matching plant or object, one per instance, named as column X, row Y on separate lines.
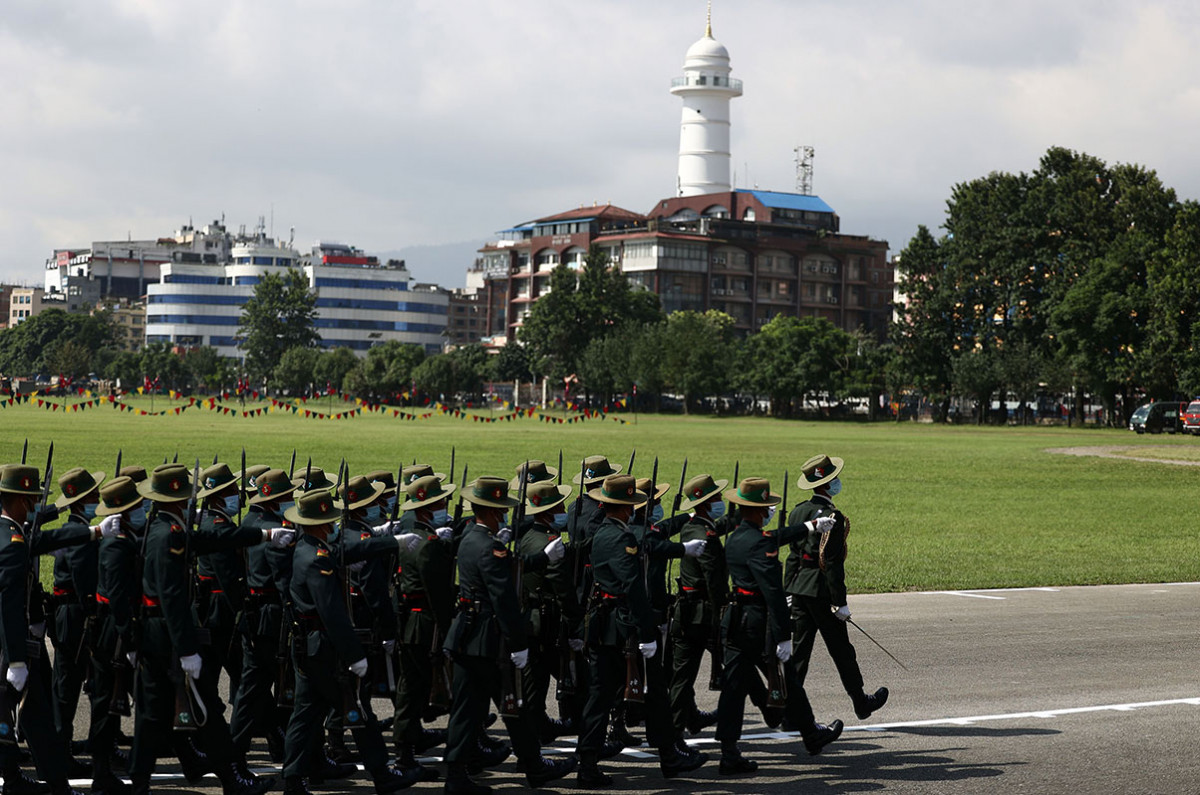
column 391, row 124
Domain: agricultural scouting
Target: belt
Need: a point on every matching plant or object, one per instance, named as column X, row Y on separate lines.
column 692, row 594
column 469, row 606
column 63, row 591
column 152, row 606
column 412, row 602
column 745, row 596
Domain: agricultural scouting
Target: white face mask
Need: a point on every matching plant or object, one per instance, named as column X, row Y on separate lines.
column 716, row 509
column 835, row 487
column 770, row 515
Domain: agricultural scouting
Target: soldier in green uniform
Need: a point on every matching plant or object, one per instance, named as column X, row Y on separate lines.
column 584, row 517
column 118, row 592
column 268, row 574
column 170, row 641
column 424, row 609
column 755, row 626
column 532, row 471
column 552, row 612
column 74, row 599
column 816, row 584
column 329, row 645
column 489, row 623
column 25, row 661
column 620, row 616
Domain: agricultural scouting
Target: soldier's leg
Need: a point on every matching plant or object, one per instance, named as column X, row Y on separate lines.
column 731, row 706
column 36, row 721
column 606, row 669
column 254, row 711
column 412, row 692
column 307, row 717
column 689, row 642
column 660, row 732
column 804, row 632
column 468, row 710
column 70, row 666
column 837, row 641
column 535, row 687
column 102, row 728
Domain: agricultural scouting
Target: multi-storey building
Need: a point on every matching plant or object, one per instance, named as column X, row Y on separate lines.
column 128, row 319
column 24, row 303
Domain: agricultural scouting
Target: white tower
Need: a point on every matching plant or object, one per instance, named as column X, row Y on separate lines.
column 704, row 131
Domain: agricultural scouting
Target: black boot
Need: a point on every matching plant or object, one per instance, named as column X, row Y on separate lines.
column 590, row 776
column 430, row 738
column 617, row 733
column 674, row 761
column 192, row 761
column 459, row 783
column 141, row 784
column 488, row 755
column 700, row 720
column 733, row 763
column 275, row 744
column 406, row 759
column 63, row 788
column 244, row 771
column 392, row 780
column 105, row 783
column 326, row 769
column 821, row 736
column 17, row 782
column 295, row 785
column 234, row 784
column 553, row 728
column 541, row 771
column 865, row 705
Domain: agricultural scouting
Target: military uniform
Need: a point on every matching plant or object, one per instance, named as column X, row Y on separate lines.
column 74, row 602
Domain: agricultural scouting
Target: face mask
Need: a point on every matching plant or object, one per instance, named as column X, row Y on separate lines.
column 231, row 505
column 89, row 511
column 285, row 507
column 441, row 517
column 388, row 504
column 559, row 521
column 334, row 535
column 770, row 515
column 504, row 519
column 656, row 515
column 716, row 509
column 137, row 516
column 835, row 487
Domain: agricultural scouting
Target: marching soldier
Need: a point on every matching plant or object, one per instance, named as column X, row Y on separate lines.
column 330, row 644
column 74, row 600
column 170, row 642
column 424, row 609
column 489, row 621
column 531, row 472
column 619, row 616
column 25, row 664
column 816, row 583
column 552, row 611
column 755, row 625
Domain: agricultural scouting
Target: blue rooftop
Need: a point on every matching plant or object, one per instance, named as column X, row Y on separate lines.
column 790, row 201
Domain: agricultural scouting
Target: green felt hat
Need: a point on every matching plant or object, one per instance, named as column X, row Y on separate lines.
column 359, row 492
column 313, row 508
column 20, row 479
column 595, row 469
column 386, row 477
column 271, row 485
column 425, row 491
column 118, row 496
column 411, row 473
column 618, row 490
column 251, row 474
column 167, row 483
column 215, row 479
column 490, row 493
column 754, row 492
column 819, row 470
column 317, row 480
column 699, row 490
column 538, row 472
column 76, row 484
column 544, row 496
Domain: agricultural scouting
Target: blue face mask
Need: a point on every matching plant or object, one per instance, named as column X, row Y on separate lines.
column 284, row 507
column 656, row 515
column 231, row 505
column 835, row 487
column 137, row 516
column 441, row 517
column 89, row 511
column 334, row 534
column 559, row 521
column 716, row 509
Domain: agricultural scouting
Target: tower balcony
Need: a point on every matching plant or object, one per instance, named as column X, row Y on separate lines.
column 720, row 83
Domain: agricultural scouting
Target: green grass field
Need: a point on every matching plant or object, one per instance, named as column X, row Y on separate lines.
column 931, row 508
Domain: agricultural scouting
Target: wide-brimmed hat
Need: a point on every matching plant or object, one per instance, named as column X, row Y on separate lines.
column 618, row 490
column 20, row 479
column 214, row 479
column 490, row 493
column 118, row 496
column 317, row 480
column 134, row 472
column 700, row 489
column 76, row 484
column 313, row 508
column 544, row 496
column 359, row 492
column 538, row 471
column 386, row 477
column 595, row 469
column 250, row 477
column 754, row 492
column 271, row 485
column 644, row 485
column 426, row 491
column 414, row 471
column 167, row 483
column 819, row 470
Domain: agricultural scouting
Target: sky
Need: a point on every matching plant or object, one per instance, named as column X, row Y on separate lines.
column 424, row 127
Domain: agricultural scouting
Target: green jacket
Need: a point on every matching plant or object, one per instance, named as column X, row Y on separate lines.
column 703, row 581
column 317, row 591
column 753, row 558
column 803, row 575
column 488, row 593
column 427, row 575
column 617, row 569
column 550, row 592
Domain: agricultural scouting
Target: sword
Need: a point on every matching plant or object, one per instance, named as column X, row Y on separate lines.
column 877, row 643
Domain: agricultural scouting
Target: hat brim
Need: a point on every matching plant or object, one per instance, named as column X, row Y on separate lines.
column 718, row 487
column 104, row 510
column 563, row 493
column 838, row 463
column 293, row 515
column 438, row 475
column 146, row 489
column 659, row 491
column 412, row 505
column 599, row 496
column 64, row 500
column 479, row 502
column 243, row 473
column 613, row 469
column 260, row 499
column 551, row 474
column 208, row 492
column 376, row 489
column 732, row 496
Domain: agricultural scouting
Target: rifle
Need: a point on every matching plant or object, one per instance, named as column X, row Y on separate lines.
column 511, row 695
column 576, row 540
column 776, row 680
column 117, row 471
column 632, row 456
column 453, row 450
column 352, row 711
column 458, row 509
column 292, row 466
column 635, row 663
column 185, row 718
column 25, row 451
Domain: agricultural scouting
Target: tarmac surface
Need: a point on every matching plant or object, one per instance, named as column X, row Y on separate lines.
column 1042, row 690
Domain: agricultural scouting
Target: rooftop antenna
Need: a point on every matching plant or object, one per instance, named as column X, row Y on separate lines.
column 804, row 169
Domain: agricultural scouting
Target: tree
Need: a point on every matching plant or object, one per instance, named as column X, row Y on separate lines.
column 463, row 370
column 387, row 370
column 280, row 315
column 697, row 354
column 791, row 357
column 35, row 345
column 207, row 368
column 159, row 361
column 295, row 369
column 512, row 363
column 928, row 325
column 333, row 367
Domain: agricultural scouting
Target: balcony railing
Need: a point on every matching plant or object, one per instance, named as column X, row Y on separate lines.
column 706, row 81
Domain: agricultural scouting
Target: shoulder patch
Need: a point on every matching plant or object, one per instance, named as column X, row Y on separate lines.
column 179, row 551
column 219, row 519
column 631, row 550
column 17, row 538
column 500, row 553
column 322, row 553
column 176, row 528
column 773, row 553
column 363, row 536
column 768, row 532
column 326, row 572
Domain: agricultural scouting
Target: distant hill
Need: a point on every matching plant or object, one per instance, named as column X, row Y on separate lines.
column 444, row 264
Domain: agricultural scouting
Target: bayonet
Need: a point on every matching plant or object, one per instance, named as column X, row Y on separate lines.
column 25, row 451
column 632, row 456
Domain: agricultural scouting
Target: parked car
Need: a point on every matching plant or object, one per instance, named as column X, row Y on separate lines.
column 1165, row 415
column 1191, row 418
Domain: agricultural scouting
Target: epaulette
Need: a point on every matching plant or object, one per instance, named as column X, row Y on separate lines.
column 364, row 536
column 176, row 528
column 322, row 553
column 500, row 553
column 774, row 553
column 768, row 532
column 17, row 538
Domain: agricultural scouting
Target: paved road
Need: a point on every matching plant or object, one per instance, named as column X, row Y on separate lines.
column 1031, row 691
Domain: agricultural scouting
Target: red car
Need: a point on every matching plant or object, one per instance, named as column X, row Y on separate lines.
column 1191, row 418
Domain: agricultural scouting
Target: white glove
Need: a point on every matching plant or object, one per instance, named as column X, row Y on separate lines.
column 843, row 612
column 279, row 537
column 505, row 535
column 408, row 541
column 783, row 650
column 520, row 658
column 648, row 650
column 38, row 630
column 385, row 529
column 357, row 566
column 191, row 665
column 555, row 550
column 822, row 524
column 576, row 644
column 445, row 533
column 359, row 668
column 694, row 548
column 110, row 526
column 17, row 674
column 132, row 657
column 389, row 646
